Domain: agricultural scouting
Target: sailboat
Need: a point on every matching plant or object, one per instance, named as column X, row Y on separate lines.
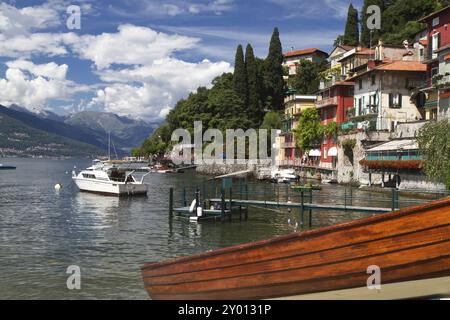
column 105, row 177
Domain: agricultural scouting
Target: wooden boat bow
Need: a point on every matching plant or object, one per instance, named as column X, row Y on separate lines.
column 408, row 245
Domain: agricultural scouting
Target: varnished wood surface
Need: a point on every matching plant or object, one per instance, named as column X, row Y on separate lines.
column 409, row 244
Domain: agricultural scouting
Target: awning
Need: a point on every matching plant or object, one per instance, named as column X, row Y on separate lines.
column 315, row 153
column 333, row 152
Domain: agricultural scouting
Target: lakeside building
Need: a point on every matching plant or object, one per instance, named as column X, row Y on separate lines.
column 333, row 103
column 289, row 154
column 383, row 95
column 292, row 58
column 437, row 61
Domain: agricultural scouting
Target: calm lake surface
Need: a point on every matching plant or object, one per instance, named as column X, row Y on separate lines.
column 43, row 231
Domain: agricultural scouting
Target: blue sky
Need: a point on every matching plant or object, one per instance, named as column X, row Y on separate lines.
column 138, row 57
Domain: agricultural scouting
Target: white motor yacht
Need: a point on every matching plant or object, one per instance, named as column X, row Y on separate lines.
column 107, row 179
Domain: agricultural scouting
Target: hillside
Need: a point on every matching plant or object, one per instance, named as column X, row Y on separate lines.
column 19, row 139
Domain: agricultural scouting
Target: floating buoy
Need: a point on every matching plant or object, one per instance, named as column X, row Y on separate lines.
column 199, row 211
column 58, row 186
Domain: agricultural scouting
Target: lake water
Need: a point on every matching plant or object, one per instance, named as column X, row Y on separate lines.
column 43, row 231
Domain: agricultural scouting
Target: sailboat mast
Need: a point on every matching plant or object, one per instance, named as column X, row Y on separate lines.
column 109, row 145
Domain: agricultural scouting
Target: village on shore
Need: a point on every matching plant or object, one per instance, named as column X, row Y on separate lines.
column 379, row 98
column 361, row 125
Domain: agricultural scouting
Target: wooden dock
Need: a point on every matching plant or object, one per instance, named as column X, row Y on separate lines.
column 306, row 206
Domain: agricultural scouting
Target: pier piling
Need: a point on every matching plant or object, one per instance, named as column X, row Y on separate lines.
column 171, row 203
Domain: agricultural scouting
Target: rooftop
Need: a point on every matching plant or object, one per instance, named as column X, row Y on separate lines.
column 432, row 15
column 303, row 52
column 404, row 144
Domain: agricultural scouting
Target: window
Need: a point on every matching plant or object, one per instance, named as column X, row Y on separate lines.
column 88, row 176
column 360, row 84
column 395, row 100
column 372, row 79
column 435, row 44
column 435, row 21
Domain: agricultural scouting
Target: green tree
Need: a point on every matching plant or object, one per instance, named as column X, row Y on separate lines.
column 434, row 144
column 351, row 35
column 308, row 132
column 307, row 77
column 240, row 76
column 157, row 144
column 254, row 105
column 272, row 120
column 273, row 74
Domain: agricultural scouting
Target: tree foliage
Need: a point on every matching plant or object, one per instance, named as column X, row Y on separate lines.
column 351, row 35
column 307, row 77
column 254, row 104
column 272, row 120
column 273, row 74
column 240, row 75
column 434, row 144
column 308, row 132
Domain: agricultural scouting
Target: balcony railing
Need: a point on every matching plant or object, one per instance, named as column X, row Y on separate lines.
column 368, row 110
column 327, row 102
column 335, row 78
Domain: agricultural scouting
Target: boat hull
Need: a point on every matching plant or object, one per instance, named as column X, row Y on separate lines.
column 407, row 245
column 7, row 168
column 110, row 188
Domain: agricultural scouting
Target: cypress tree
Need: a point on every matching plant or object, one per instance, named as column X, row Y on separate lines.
column 240, row 77
column 351, row 35
column 273, row 78
column 254, row 104
column 365, row 32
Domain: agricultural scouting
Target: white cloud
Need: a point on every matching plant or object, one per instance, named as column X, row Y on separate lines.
column 15, row 21
column 138, row 64
column 33, row 85
column 50, row 70
column 318, row 8
column 161, row 85
column 130, row 45
column 162, row 8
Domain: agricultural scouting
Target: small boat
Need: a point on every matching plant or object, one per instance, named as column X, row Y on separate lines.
column 284, row 176
column 5, row 167
column 108, row 179
column 300, row 187
column 410, row 247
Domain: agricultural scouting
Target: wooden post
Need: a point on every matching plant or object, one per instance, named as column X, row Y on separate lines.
column 370, row 178
column 170, row 203
column 184, row 196
column 310, row 210
column 231, row 203
column 222, row 206
column 345, row 198
column 287, row 192
column 302, row 208
column 393, row 199
column 351, row 196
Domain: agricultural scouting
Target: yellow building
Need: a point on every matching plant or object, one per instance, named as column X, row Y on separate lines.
column 289, row 154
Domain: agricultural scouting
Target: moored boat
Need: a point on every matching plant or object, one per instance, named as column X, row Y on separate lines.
column 107, row 179
column 411, row 248
column 5, row 167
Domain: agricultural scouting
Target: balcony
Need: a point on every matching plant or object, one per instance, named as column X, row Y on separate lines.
column 367, row 112
column 288, row 145
column 335, row 78
column 327, row 102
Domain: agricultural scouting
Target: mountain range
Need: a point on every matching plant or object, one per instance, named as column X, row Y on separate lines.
column 25, row 132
